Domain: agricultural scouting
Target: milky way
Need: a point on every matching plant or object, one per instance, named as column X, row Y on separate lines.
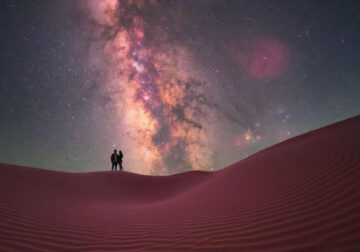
column 176, row 85
column 161, row 107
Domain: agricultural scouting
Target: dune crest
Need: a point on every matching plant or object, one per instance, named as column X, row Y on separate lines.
column 300, row 195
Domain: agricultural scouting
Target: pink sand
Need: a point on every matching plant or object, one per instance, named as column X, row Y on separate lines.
column 300, row 195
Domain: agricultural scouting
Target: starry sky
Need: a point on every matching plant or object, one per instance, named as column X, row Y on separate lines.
column 176, row 85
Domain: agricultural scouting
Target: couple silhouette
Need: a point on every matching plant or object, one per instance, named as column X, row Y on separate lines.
column 116, row 159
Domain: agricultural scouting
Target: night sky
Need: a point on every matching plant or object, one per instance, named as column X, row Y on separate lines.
column 176, row 85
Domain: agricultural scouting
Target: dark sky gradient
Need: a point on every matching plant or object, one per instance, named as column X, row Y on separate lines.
column 177, row 85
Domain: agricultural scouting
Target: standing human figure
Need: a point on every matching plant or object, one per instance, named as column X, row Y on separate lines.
column 120, row 156
column 114, row 160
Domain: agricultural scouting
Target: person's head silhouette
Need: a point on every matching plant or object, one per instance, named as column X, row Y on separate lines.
column 114, row 151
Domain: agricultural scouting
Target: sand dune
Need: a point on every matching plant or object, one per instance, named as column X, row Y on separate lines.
column 300, row 195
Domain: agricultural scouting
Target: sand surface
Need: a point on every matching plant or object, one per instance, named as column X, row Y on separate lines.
column 300, row 195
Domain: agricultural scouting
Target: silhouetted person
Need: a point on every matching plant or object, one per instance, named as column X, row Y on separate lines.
column 114, row 160
column 120, row 156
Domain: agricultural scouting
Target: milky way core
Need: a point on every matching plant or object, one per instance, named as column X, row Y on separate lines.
column 161, row 107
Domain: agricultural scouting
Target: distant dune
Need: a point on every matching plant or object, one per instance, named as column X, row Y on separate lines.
column 300, row 195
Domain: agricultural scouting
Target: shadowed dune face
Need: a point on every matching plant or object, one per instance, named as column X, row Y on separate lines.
column 302, row 194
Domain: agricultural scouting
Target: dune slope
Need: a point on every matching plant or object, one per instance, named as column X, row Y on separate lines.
column 300, row 195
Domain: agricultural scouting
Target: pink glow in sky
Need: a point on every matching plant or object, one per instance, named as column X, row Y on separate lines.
column 266, row 58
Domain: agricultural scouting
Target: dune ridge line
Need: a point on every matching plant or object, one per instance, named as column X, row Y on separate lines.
column 302, row 194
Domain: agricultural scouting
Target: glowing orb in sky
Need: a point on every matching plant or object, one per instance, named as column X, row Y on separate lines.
column 265, row 58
